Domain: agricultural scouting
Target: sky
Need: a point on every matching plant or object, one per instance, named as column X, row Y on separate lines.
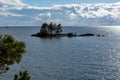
column 66, row 12
column 60, row 2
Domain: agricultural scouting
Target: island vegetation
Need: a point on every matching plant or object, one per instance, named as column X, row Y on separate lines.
column 51, row 30
column 54, row 30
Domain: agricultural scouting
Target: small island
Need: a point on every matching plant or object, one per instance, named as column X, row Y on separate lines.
column 54, row 30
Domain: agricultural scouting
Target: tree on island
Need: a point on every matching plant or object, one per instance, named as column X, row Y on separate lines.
column 44, row 29
column 58, row 29
column 50, row 29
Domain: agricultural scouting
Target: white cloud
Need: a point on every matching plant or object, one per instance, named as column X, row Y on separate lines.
column 43, row 16
column 10, row 14
column 48, row 14
column 72, row 16
column 11, row 4
column 12, row 9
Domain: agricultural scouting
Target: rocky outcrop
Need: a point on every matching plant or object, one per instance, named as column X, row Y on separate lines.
column 87, row 34
column 66, row 35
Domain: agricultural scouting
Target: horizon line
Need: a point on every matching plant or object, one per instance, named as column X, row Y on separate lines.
column 63, row 26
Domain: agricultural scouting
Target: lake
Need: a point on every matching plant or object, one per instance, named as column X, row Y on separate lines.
column 76, row 58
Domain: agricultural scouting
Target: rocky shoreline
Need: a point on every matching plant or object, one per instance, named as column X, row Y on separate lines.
column 66, row 35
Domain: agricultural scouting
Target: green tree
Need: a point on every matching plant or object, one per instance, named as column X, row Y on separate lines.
column 58, row 28
column 50, row 28
column 22, row 76
column 11, row 52
column 44, row 29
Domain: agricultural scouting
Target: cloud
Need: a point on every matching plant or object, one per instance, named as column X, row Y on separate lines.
column 11, row 4
column 43, row 16
column 69, row 14
column 72, row 16
column 6, row 14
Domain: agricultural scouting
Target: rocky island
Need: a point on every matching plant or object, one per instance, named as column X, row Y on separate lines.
column 53, row 30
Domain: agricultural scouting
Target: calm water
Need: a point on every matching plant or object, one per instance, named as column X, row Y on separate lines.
column 78, row 58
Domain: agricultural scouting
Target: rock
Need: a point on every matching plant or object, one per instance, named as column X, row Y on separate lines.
column 87, row 34
column 70, row 35
column 100, row 35
column 65, row 35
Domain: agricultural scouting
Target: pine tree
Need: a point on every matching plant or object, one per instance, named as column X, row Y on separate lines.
column 22, row 76
column 10, row 52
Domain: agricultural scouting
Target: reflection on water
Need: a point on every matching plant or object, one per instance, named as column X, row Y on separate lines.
column 78, row 58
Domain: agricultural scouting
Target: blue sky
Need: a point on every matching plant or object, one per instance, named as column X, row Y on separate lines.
column 54, row 2
column 66, row 12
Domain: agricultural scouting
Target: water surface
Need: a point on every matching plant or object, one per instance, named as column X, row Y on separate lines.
column 77, row 58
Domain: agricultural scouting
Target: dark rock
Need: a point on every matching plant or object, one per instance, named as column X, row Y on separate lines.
column 87, row 34
column 70, row 35
column 64, row 35
column 100, row 35
column 40, row 35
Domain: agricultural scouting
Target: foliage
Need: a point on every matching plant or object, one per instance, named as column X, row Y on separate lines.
column 58, row 28
column 10, row 52
column 49, row 29
column 22, row 76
